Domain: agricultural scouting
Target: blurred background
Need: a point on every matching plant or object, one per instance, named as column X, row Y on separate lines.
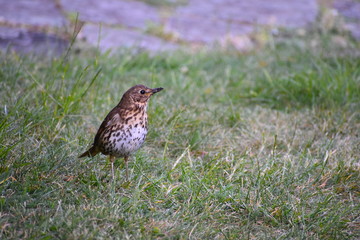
column 50, row 26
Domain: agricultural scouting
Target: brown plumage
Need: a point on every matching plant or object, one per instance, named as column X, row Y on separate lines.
column 124, row 129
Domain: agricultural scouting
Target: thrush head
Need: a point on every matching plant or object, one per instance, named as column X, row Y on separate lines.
column 140, row 94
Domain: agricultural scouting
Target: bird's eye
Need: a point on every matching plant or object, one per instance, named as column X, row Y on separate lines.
column 142, row 91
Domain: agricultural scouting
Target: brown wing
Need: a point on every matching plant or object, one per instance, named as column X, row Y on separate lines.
column 115, row 116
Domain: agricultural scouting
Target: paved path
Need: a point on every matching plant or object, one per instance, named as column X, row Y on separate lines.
column 350, row 9
column 43, row 26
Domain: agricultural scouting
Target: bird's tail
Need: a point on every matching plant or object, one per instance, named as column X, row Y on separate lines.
column 90, row 153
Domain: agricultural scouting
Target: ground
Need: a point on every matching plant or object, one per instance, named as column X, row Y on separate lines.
column 261, row 143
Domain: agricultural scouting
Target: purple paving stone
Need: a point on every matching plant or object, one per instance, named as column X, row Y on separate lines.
column 350, row 9
column 197, row 29
column 24, row 41
column 126, row 13
column 208, row 21
column 354, row 28
column 31, row 12
column 113, row 38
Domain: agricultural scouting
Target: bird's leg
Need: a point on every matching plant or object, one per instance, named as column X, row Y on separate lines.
column 112, row 158
column 126, row 158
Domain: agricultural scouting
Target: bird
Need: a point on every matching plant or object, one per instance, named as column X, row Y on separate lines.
column 125, row 127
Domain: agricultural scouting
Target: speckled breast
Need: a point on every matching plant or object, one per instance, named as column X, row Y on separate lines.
column 126, row 140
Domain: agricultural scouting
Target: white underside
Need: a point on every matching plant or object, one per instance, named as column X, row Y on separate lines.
column 132, row 140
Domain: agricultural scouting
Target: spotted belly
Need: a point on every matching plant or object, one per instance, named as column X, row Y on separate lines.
column 124, row 142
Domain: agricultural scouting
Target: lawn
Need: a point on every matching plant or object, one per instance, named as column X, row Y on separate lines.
column 263, row 144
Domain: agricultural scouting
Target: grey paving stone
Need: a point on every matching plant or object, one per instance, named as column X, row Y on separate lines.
column 200, row 21
column 31, row 12
column 197, row 29
column 113, row 38
column 208, row 21
column 24, row 41
column 126, row 13
column 354, row 28
column 350, row 9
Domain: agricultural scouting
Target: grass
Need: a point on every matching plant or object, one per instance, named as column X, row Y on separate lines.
column 260, row 145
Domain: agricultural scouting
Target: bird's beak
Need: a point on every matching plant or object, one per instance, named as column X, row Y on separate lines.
column 155, row 90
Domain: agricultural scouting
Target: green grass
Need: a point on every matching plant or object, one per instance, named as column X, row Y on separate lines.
column 260, row 145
